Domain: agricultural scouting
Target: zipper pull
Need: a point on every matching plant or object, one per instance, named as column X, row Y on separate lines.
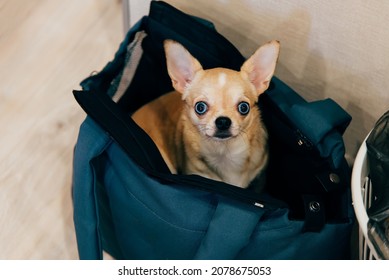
column 303, row 141
column 260, row 205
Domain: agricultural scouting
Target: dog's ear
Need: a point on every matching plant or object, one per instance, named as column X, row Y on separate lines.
column 261, row 65
column 181, row 65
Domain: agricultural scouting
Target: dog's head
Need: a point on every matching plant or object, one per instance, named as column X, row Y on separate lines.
column 221, row 102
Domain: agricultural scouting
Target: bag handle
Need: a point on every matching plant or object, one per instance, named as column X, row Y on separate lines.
column 320, row 123
column 229, row 232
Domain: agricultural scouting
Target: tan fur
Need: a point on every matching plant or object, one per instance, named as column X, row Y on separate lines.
column 190, row 143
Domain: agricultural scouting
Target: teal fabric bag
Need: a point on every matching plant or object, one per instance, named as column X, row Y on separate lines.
column 127, row 203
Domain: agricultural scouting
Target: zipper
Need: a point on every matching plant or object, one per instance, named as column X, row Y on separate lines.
column 246, row 196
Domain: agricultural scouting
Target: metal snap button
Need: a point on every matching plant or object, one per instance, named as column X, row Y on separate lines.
column 314, row 206
column 334, row 178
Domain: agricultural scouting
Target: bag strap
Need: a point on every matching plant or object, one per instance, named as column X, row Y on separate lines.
column 320, row 124
column 233, row 224
column 91, row 142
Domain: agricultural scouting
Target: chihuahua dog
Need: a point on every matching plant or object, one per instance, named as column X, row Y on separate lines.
column 211, row 124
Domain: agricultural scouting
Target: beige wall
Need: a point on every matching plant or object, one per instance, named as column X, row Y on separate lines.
column 335, row 49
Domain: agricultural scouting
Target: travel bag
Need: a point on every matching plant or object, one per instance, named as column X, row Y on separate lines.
column 127, row 203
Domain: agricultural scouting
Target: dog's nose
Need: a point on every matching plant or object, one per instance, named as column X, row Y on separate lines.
column 223, row 123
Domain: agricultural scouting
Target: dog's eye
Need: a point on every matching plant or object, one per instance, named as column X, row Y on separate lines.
column 243, row 108
column 201, row 107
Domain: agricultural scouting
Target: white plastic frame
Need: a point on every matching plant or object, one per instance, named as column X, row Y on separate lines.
column 361, row 196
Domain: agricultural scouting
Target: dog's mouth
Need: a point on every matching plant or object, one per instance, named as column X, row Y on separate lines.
column 222, row 135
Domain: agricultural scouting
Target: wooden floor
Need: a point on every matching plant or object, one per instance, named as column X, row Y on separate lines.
column 46, row 48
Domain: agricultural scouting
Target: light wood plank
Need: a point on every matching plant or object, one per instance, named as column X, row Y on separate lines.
column 46, row 48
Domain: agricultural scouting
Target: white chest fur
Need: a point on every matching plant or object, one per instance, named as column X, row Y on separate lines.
column 229, row 160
